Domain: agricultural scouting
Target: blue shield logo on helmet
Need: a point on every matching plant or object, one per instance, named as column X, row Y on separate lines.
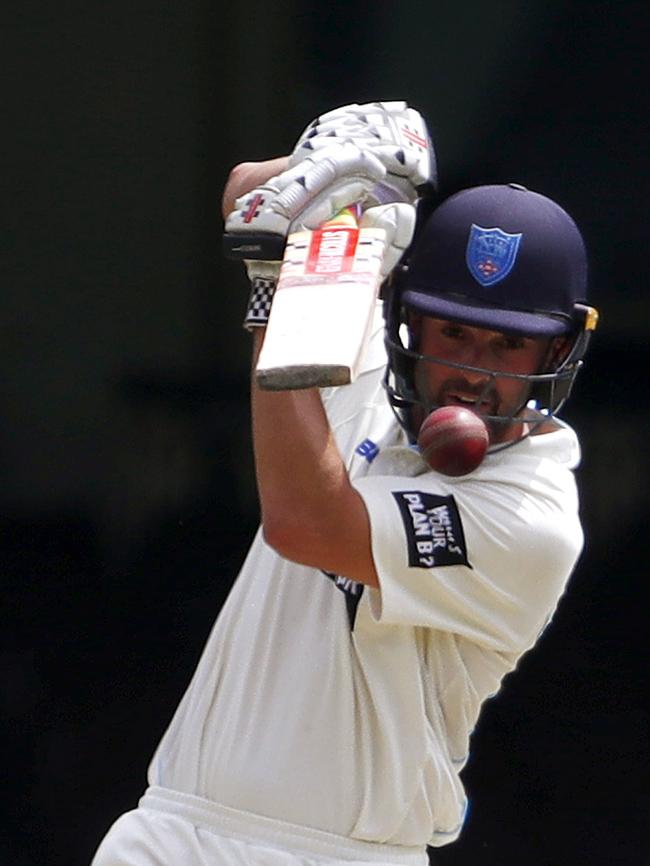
column 491, row 254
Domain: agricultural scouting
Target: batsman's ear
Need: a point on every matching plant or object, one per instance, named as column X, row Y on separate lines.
column 558, row 352
column 572, row 348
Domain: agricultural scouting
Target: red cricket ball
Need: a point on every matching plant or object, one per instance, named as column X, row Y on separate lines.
column 453, row 440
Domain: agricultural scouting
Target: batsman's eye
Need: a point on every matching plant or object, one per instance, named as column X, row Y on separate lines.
column 452, row 332
column 511, row 343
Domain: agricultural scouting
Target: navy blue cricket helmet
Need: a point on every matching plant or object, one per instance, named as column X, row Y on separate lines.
column 499, row 257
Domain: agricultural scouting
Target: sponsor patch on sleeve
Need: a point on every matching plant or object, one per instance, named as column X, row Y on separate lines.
column 434, row 531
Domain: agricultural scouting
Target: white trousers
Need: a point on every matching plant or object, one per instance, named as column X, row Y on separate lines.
column 173, row 829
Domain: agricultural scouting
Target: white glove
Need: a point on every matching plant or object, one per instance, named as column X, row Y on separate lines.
column 392, row 131
column 378, row 154
column 398, row 221
column 373, row 154
column 307, row 194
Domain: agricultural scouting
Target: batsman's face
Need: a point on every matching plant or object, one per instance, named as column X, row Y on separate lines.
column 481, row 390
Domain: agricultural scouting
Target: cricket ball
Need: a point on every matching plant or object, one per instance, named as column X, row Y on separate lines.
column 453, row 440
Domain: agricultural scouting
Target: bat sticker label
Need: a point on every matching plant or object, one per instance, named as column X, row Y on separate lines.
column 332, row 249
column 434, row 531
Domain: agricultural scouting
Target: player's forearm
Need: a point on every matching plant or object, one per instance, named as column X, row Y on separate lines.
column 304, row 489
column 299, row 471
column 296, row 460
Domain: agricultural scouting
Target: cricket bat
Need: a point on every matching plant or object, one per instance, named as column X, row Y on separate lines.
column 323, row 305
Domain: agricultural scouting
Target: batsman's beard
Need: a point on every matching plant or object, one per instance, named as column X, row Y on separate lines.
column 483, row 398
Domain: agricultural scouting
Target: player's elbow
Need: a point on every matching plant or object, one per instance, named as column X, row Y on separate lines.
column 290, row 538
column 323, row 542
column 301, row 532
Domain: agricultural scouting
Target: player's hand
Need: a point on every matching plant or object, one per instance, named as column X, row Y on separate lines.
column 393, row 131
column 303, row 196
column 398, row 221
column 378, row 154
column 375, row 154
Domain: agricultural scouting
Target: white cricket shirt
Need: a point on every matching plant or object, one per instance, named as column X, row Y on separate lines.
column 327, row 704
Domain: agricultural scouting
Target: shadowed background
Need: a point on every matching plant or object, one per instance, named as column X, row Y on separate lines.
column 126, row 495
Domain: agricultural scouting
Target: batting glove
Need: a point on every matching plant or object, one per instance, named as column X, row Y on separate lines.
column 373, row 154
column 398, row 221
column 378, row 154
column 308, row 195
column 393, row 131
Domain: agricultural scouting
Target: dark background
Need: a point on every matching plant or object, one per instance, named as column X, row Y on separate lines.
column 126, row 492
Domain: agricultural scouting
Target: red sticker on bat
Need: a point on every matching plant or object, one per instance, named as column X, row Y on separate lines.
column 332, row 250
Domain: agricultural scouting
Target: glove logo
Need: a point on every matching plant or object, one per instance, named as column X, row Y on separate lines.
column 253, row 206
column 413, row 137
column 491, row 254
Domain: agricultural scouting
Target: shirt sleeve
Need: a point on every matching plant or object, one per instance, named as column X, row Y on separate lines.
column 485, row 561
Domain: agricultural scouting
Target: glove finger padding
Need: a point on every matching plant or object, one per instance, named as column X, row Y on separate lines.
column 365, row 121
column 398, row 221
column 375, row 154
column 308, row 194
column 341, row 176
column 394, row 132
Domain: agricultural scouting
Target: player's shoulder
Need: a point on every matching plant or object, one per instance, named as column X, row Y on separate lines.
column 523, row 496
column 554, row 456
column 542, row 464
column 525, row 499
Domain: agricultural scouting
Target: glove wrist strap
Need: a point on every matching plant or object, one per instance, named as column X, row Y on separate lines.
column 259, row 302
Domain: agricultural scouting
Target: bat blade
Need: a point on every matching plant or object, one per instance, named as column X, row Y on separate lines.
column 323, row 306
